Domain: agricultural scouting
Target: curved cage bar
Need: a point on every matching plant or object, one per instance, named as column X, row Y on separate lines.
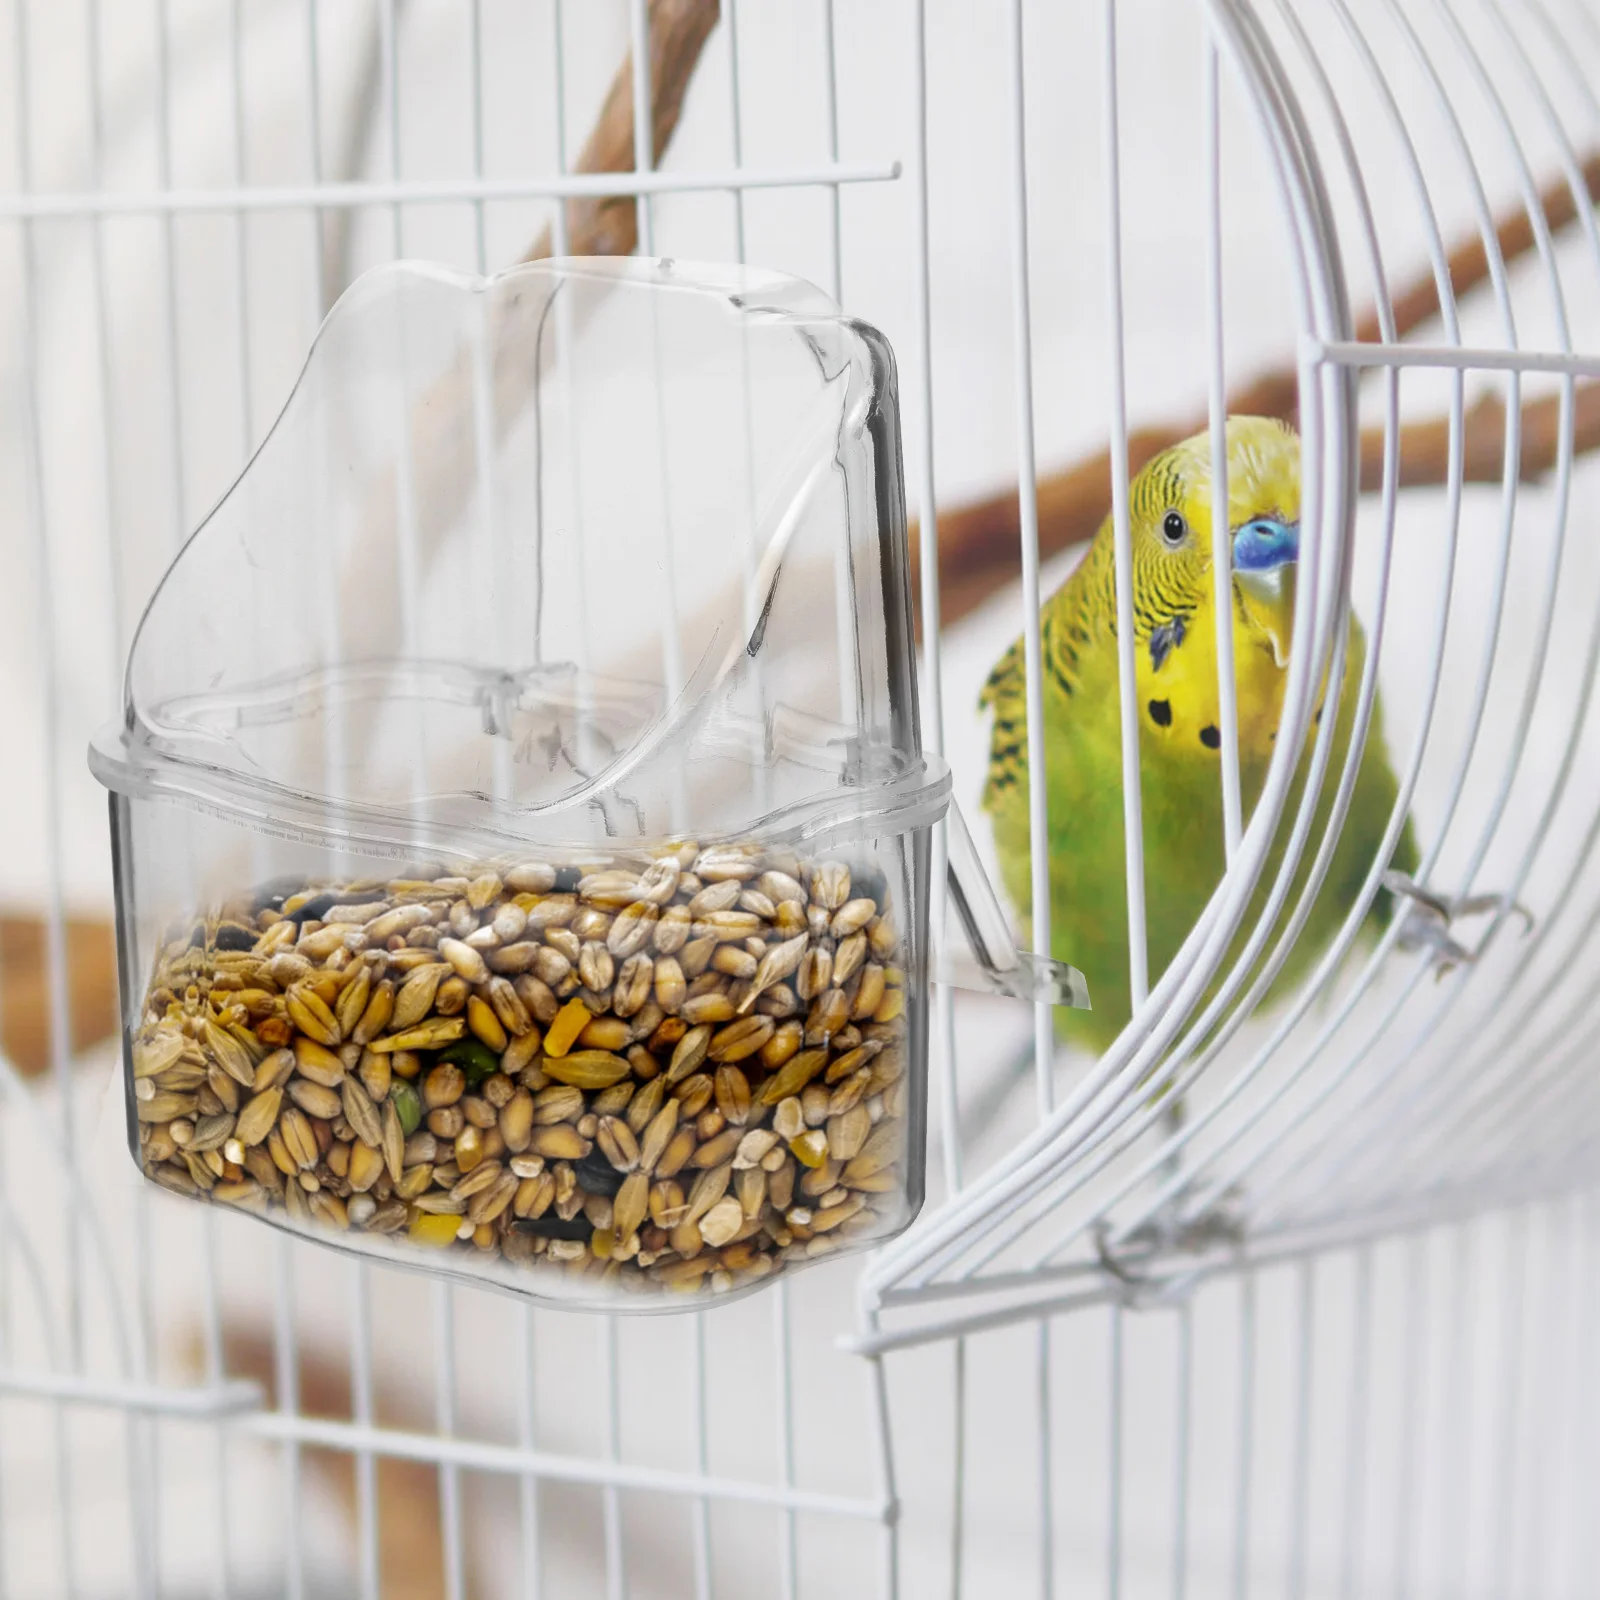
column 1359, row 1079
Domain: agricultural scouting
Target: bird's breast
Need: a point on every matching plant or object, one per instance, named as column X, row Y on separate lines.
column 1179, row 706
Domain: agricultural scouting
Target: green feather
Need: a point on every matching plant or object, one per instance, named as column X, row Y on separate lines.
column 1180, row 778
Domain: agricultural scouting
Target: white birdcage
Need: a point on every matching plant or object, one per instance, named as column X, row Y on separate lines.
column 1327, row 1336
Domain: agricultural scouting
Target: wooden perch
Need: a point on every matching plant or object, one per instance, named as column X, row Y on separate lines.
column 609, row 225
column 25, row 988
column 1425, row 446
column 1468, row 263
column 978, row 543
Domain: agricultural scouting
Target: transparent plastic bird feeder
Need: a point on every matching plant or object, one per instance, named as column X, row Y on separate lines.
column 522, row 833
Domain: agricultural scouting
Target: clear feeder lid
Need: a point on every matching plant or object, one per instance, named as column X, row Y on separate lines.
column 590, row 552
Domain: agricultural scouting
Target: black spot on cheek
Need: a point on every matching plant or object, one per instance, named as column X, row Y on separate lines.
column 1161, row 713
column 1164, row 640
column 1209, row 737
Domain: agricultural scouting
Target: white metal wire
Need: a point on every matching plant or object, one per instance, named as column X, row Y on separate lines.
column 1221, row 518
column 1128, row 694
column 168, row 202
column 481, row 1456
column 1556, row 363
column 1364, row 138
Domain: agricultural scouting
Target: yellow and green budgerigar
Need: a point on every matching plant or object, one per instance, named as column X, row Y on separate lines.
column 1175, row 623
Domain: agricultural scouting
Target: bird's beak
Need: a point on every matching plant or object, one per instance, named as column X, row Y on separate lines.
column 1264, row 555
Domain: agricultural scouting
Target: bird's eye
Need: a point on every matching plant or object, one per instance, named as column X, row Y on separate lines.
column 1174, row 529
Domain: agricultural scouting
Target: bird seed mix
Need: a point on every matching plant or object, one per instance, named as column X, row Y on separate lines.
column 678, row 1072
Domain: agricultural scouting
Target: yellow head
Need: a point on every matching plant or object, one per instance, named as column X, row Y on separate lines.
column 1170, row 519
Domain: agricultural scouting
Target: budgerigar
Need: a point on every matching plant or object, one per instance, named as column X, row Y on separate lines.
column 1181, row 786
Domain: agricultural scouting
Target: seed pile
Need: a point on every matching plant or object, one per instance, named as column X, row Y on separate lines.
column 673, row 1073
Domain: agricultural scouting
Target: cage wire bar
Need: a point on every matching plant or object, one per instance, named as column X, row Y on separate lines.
column 1318, row 355
column 1032, row 1165
column 1563, row 471
column 1082, row 1221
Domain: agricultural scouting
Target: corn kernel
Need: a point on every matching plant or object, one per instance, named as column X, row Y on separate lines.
column 434, row 1230
column 570, row 1021
column 810, row 1148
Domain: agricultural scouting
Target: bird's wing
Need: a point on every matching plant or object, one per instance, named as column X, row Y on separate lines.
column 1006, row 694
column 1066, row 628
